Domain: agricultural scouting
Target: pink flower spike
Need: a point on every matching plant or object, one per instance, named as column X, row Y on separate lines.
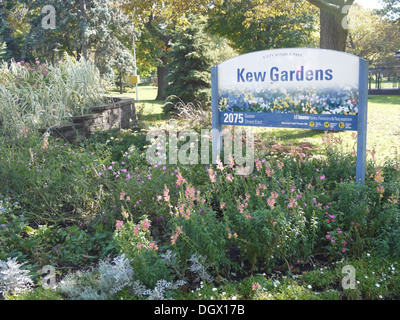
column 255, row 286
column 322, row 178
column 119, row 224
column 146, row 224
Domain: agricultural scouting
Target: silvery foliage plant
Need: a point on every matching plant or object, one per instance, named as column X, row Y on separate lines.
column 115, row 276
column 100, row 283
column 162, row 288
column 13, row 279
column 106, row 280
column 199, row 268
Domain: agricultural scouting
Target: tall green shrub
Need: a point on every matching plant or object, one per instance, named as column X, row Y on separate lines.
column 189, row 77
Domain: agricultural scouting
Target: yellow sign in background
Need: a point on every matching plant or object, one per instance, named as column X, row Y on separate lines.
column 133, row 79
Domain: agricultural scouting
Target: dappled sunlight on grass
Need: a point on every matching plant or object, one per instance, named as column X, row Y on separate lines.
column 148, row 109
column 384, row 126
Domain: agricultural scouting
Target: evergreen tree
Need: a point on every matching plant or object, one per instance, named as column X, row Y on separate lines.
column 51, row 44
column 3, row 47
column 10, row 44
column 95, row 29
column 3, row 44
column 190, row 76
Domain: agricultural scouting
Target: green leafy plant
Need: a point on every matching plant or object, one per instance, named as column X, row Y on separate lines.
column 12, row 228
column 135, row 242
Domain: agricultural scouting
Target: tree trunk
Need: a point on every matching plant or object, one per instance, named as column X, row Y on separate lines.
column 162, row 73
column 121, row 84
column 333, row 34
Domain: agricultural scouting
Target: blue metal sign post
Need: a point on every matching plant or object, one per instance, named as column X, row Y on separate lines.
column 216, row 125
column 362, row 123
column 292, row 88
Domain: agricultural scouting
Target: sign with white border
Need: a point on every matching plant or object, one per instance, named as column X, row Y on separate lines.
column 302, row 88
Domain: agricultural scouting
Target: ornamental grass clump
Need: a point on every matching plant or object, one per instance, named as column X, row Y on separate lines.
column 41, row 96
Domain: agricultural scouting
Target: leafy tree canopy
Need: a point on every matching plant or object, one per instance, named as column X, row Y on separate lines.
column 175, row 11
column 372, row 36
column 253, row 25
column 391, row 9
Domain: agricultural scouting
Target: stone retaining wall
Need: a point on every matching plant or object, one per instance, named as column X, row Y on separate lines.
column 119, row 114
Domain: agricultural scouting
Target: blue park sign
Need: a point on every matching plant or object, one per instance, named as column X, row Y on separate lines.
column 302, row 88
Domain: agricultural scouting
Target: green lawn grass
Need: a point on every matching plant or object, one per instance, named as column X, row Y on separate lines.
column 148, row 108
